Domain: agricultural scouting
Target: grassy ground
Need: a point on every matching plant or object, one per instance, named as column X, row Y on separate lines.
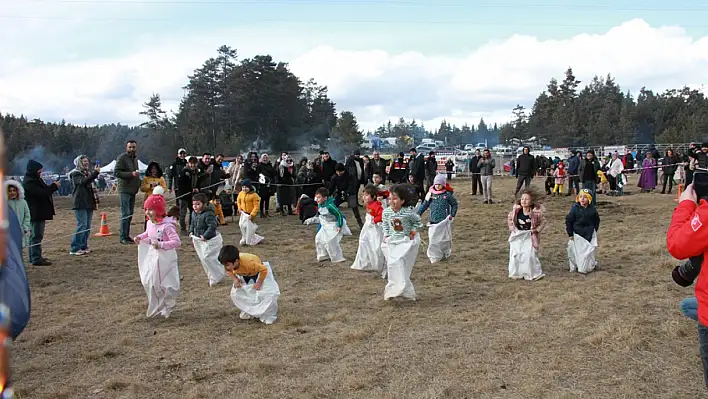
column 616, row 333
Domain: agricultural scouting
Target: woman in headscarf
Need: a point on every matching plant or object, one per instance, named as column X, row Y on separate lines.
column 286, row 180
column 267, row 172
column 85, row 198
column 647, row 181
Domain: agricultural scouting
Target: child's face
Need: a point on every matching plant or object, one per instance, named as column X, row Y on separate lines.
column 525, row 200
column 245, row 189
column 12, row 192
column 395, row 202
column 439, row 187
column 367, row 198
column 197, row 206
column 151, row 215
column 217, row 201
column 411, row 179
column 583, row 200
column 377, row 179
column 192, row 165
column 320, row 199
column 229, row 266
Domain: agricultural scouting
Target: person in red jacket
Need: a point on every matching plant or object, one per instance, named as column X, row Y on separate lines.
column 688, row 237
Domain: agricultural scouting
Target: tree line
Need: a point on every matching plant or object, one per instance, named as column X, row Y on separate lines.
column 565, row 115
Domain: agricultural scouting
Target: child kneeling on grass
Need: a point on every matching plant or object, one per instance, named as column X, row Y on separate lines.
column 401, row 241
column 332, row 228
column 206, row 238
column 255, row 291
column 582, row 224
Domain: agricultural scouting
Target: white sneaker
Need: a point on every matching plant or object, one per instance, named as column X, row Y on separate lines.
column 244, row 316
column 78, row 253
column 269, row 321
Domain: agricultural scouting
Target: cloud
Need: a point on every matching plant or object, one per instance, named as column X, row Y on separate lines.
column 375, row 84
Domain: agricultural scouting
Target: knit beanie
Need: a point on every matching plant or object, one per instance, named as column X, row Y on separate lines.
column 156, row 203
column 158, row 190
column 439, row 179
column 584, row 193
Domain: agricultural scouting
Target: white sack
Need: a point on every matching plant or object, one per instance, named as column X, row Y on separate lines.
column 440, row 241
column 581, row 254
column 327, row 242
column 523, row 260
column 160, row 278
column 248, row 230
column 400, row 254
column 369, row 256
column 262, row 304
column 208, row 253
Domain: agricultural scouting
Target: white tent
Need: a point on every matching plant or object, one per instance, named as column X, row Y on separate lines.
column 111, row 167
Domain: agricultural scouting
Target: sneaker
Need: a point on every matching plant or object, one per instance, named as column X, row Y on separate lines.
column 87, row 251
column 269, row 321
column 244, row 316
column 127, row 241
column 77, row 253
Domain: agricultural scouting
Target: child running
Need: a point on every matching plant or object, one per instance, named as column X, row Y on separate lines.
column 248, row 203
column 255, row 292
column 443, row 208
column 331, row 229
column 205, row 237
column 401, row 241
column 526, row 222
column 369, row 256
column 157, row 258
column 582, row 224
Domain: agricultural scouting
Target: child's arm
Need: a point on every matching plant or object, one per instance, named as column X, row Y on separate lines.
column 171, row 238
column 423, row 206
column 211, row 223
column 336, row 212
column 597, row 220
column 541, row 220
column 386, row 222
column 239, row 201
column 141, row 236
column 192, row 224
column 377, row 213
column 27, row 218
column 255, row 206
column 163, row 183
column 569, row 221
column 145, row 186
column 510, row 219
column 453, row 205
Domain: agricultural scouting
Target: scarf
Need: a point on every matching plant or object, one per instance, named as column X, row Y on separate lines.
column 92, row 187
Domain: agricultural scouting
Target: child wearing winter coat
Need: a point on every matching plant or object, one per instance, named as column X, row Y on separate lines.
column 157, row 258
column 369, row 255
column 582, row 224
column 218, row 211
column 443, row 208
column 401, row 241
column 559, row 175
column 16, row 201
column 416, row 189
column 248, row 203
column 331, row 229
column 526, row 221
column 382, row 191
column 206, row 238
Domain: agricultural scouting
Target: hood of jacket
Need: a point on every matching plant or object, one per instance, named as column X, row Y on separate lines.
column 33, row 167
column 17, row 185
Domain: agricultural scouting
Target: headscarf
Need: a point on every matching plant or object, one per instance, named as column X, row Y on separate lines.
column 78, row 168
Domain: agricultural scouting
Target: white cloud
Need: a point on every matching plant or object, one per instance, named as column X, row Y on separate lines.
column 374, row 84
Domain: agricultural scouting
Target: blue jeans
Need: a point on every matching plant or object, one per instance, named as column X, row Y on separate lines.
column 590, row 185
column 703, row 342
column 83, row 226
column 127, row 208
column 35, row 243
column 689, row 308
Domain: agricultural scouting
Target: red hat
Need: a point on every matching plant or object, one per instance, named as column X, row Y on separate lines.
column 156, row 203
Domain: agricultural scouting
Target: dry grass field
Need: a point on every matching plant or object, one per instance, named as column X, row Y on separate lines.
column 474, row 333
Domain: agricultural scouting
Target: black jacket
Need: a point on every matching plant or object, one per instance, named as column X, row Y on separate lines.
column 173, row 173
column 83, row 196
column 353, row 173
column 526, row 165
column 582, row 221
column 328, row 169
column 379, row 167
column 38, row 194
column 188, row 180
column 341, row 185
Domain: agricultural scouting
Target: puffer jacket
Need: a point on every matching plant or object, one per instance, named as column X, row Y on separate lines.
column 204, row 224
column 582, row 221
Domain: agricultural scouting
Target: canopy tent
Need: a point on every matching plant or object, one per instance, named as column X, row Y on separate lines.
column 111, row 167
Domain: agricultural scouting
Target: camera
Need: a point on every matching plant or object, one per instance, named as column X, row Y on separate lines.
column 685, row 273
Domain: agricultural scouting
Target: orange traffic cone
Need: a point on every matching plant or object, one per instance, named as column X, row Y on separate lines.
column 103, row 232
column 680, row 191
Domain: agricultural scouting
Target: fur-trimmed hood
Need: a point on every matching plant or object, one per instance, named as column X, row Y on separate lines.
column 17, row 185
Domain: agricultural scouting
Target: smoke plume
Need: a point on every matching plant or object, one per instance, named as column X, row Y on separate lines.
column 51, row 162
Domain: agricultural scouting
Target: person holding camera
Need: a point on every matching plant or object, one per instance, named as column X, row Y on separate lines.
column 687, row 238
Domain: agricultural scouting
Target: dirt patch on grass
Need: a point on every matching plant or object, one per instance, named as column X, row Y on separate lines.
column 616, row 333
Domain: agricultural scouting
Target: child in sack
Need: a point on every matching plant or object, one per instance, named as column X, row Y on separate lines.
column 255, row 292
column 526, row 221
column 248, row 206
column 331, row 229
column 443, row 207
column 159, row 272
column 369, row 255
column 206, row 238
column 582, row 224
column 401, row 241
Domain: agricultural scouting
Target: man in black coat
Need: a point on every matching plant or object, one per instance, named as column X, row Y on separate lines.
column 525, row 170
column 328, row 166
column 344, row 186
column 416, row 167
column 39, row 199
column 188, row 185
column 476, row 174
column 173, row 173
column 378, row 165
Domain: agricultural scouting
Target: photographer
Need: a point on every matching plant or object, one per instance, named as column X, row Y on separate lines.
column 687, row 238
